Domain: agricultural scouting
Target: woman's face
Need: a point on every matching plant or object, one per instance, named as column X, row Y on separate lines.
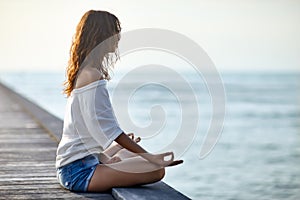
column 115, row 40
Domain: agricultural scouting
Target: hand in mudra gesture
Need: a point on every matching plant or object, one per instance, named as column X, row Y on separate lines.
column 163, row 159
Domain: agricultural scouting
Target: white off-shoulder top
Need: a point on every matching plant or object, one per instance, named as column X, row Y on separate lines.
column 90, row 125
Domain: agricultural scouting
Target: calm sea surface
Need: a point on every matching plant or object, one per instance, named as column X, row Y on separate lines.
column 258, row 153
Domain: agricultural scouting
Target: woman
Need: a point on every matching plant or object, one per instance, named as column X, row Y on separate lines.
column 86, row 160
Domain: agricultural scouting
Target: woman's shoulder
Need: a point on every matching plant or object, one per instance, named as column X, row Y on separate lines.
column 88, row 75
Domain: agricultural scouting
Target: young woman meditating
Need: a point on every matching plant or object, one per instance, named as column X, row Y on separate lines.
column 86, row 158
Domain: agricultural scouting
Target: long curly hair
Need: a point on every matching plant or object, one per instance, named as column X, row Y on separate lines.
column 93, row 28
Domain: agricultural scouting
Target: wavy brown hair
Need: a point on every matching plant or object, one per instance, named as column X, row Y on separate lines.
column 93, row 28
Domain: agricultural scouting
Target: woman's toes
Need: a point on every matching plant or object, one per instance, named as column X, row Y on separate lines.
column 114, row 159
column 103, row 158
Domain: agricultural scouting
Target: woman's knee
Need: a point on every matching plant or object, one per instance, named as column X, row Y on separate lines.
column 160, row 174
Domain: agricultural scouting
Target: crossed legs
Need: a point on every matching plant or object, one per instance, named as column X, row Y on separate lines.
column 123, row 168
column 116, row 153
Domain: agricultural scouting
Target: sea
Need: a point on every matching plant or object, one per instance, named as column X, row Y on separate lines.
column 257, row 151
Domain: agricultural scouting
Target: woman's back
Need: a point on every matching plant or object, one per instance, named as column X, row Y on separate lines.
column 87, row 76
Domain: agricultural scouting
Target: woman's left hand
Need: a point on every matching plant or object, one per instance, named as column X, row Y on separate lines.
column 159, row 159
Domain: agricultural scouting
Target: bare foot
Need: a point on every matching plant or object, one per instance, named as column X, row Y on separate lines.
column 114, row 159
column 103, row 158
column 109, row 155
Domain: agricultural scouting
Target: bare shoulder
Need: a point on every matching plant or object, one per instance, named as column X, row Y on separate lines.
column 87, row 76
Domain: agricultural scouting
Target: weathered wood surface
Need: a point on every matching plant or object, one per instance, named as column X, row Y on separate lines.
column 27, row 157
column 156, row 191
column 28, row 140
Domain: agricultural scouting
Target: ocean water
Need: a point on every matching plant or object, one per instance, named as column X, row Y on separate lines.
column 258, row 153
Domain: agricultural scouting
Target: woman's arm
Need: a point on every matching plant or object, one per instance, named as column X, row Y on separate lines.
column 130, row 145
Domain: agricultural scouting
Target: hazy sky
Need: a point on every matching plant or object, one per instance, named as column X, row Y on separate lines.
column 236, row 34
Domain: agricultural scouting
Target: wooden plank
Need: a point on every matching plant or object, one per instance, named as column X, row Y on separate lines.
column 155, row 191
column 27, row 157
column 28, row 140
column 53, row 194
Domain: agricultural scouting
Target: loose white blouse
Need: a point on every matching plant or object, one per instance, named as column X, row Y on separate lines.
column 90, row 125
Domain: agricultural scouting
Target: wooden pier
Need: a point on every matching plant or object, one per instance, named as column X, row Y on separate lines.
column 29, row 137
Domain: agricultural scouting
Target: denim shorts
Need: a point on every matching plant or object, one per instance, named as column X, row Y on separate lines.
column 76, row 176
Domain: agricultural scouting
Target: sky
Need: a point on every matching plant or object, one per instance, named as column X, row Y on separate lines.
column 236, row 34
